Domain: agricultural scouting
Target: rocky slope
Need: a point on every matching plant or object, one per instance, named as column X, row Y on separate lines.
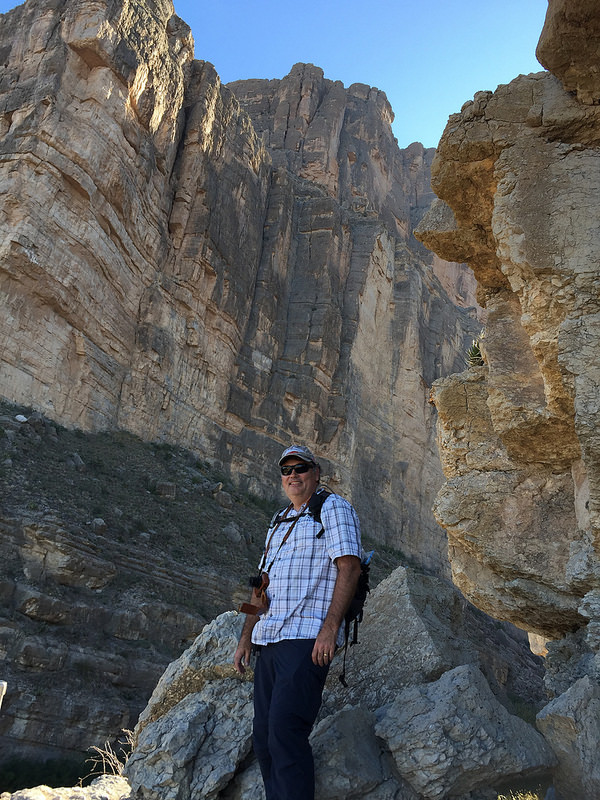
column 113, row 555
column 517, row 173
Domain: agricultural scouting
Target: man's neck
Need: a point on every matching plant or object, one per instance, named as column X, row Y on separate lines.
column 299, row 505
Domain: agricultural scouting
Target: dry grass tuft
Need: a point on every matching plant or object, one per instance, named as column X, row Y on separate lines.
column 108, row 761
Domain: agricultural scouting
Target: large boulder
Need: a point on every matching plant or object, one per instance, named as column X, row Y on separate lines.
column 417, row 627
column 452, row 736
column 571, row 725
column 197, row 726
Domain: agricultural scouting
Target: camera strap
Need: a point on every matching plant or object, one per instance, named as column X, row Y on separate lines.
column 283, row 541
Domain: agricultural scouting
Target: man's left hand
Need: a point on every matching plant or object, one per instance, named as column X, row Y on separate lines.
column 324, row 648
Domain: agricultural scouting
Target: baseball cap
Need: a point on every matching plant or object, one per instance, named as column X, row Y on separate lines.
column 300, row 452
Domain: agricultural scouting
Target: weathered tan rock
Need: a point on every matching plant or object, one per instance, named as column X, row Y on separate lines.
column 517, row 173
column 571, row 29
column 106, row 787
column 533, row 415
column 490, row 502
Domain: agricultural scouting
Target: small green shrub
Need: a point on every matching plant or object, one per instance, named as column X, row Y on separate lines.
column 474, row 356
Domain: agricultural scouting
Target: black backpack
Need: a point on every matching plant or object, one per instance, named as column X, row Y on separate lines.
column 354, row 614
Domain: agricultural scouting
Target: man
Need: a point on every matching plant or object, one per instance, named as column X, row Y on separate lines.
column 312, row 577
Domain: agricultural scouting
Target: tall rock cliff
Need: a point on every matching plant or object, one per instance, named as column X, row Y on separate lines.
column 517, row 173
column 224, row 268
column 350, row 325
column 176, row 267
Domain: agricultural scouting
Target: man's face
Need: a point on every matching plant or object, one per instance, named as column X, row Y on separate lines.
column 299, row 486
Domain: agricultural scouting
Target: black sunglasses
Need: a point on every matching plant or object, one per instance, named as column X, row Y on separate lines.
column 298, row 468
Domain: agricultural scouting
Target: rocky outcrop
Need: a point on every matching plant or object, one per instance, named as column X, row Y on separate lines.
column 517, row 175
column 106, row 787
column 470, row 738
column 416, row 722
column 214, row 270
column 565, row 47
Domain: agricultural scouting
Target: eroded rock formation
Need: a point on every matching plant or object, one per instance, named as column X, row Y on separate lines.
column 223, row 268
column 517, row 173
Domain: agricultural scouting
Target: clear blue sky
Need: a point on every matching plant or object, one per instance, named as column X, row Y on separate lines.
column 428, row 56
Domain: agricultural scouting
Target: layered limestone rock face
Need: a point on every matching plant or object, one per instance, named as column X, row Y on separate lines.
column 229, row 281
column 517, row 175
column 127, row 270
column 82, row 644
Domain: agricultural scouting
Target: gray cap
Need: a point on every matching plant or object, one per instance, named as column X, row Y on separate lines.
column 301, row 452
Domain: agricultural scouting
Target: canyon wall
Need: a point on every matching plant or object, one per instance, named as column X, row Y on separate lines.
column 517, row 174
column 228, row 269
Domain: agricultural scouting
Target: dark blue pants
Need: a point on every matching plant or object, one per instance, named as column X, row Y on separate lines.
column 287, row 696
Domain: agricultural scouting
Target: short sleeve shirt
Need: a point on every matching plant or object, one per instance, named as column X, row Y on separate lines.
column 303, row 575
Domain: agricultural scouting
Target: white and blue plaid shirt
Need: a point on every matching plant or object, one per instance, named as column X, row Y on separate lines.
column 302, row 576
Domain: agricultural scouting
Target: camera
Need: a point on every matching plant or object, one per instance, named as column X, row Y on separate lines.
column 259, row 585
column 259, row 582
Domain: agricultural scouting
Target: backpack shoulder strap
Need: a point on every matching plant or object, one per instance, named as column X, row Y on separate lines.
column 278, row 516
column 315, row 504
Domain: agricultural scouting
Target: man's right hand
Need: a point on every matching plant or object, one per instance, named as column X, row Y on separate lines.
column 241, row 658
